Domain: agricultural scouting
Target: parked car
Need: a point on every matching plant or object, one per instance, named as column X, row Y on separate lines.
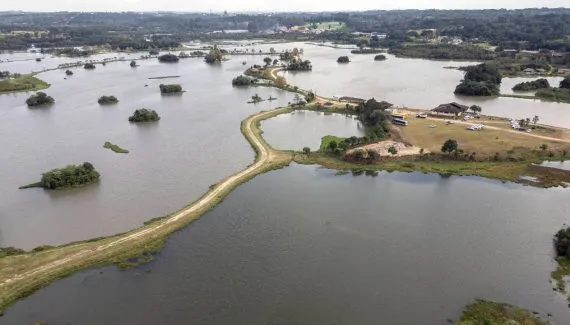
column 421, row 115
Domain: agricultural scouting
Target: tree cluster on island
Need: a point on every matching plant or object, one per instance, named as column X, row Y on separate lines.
column 343, row 59
column 144, row 115
column 170, row 89
column 67, row 177
column 68, row 72
column 373, row 113
column 242, row 81
column 560, row 94
column 480, row 80
column 133, row 64
column 39, row 99
column 214, row 56
column 107, row 100
column 168, row 58
column 532, row 85
column 380, row 57
column 562, row 243
column 89, row 66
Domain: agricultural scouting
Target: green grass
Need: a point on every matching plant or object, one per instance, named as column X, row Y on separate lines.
column 328, row 139
column 114, row 147
column 24, row 83
column 562, row 271
column 483, row 312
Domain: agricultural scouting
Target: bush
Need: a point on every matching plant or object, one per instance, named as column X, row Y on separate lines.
column 380, row 57
column 242, row 81
column 133, row 64
column 144, row 115
column 562, row 242
column 306, row 150
column 68, row 72
column 107, row 100
column 168, row 58
column 343, row 59
column 170, row 89
column 70, row 176
column 89, row 66
column 39, row 99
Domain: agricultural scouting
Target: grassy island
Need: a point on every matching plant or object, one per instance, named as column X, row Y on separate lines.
column 483, row 312
column 67, row 177
column 19, row 83
column 39, row 99
column 115, row 148
column 107, row 100
column 170, row 89
column 144, row 115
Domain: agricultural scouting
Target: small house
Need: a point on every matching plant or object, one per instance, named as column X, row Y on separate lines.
column 454, row 109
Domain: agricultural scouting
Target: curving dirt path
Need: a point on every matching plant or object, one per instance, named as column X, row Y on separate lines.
column 23, row 274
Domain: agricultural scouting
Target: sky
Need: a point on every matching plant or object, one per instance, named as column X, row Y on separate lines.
column 267, row 5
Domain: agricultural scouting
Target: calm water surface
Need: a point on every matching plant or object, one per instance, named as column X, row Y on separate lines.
column 173, row 162
column 302, row 246
column 306, row 128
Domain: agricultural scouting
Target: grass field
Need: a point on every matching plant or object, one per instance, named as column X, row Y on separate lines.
column 485, row 143
column 23, row 83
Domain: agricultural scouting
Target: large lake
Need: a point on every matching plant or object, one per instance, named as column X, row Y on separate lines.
column 303, row 246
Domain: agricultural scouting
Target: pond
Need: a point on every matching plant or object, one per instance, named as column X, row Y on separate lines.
column 306, row 128
column 303, row 246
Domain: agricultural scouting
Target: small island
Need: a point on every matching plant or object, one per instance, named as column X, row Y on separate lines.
column 89, row 66
column 39, row 99
column 15, row 82
column 168, row 58
column 144, row 115
column 255, row 99
column 214, row 56
column 133, row 64
column 170, row 89
column 343, row 59
column 480, row 80
column 532, row 85
column 380, row 57
column 68, row 72
column 107, row 100
column 483, row 312
column 67, row 177
column 115, row 148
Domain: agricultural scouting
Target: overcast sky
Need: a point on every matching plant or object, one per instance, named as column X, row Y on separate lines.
column 267, row 5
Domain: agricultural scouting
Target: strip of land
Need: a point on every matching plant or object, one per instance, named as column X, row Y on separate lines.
column 27, row 82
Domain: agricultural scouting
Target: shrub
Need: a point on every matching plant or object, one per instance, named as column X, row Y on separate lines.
column 107, row 100
column 562, row 242
column 89, row 66
column 68, row 72
column 170, row 89
column 343, row 59
column 39, row 99
column 144, row 115
column 380, row 57
column 242, row 81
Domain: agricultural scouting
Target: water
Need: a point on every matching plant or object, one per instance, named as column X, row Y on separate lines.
column 302, row 246
column 564, row 165
column 306, row 128
column 171, row 163
column 415, row 83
